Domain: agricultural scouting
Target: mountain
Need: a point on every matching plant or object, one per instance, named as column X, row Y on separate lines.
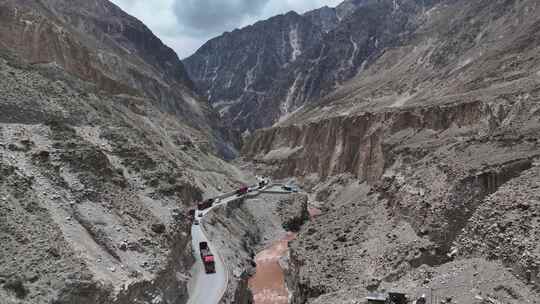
column 118, row 53
column 424, row 162
column 238, row 70
column 101, row 44
column 248, row 75
column 104, row 147
column 260, row 74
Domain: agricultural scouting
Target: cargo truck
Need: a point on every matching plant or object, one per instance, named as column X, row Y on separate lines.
column 207, row 258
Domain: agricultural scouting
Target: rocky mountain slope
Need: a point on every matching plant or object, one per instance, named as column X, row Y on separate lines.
column 238, row 70
column 101, row 44
column 103, row 146
column 256, row 75
column 424, row 163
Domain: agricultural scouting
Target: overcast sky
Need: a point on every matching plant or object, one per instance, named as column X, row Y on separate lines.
column 185, row 25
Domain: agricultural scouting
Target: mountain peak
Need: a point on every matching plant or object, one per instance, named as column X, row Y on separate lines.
column 260, row 74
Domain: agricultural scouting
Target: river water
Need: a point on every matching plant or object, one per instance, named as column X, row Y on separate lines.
column 268, row 284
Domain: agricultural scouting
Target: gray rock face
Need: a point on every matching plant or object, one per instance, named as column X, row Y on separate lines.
column 347, row 7
column 103, row 149
column 293, row 211
column 259, row 74
column 99, row 43
column 325, row 18
column 239, row 71
column 440, row 137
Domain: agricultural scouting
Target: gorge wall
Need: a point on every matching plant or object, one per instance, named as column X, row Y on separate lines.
column 361, row 145
column 104, row 146
column 419, row 187
column 422, row 164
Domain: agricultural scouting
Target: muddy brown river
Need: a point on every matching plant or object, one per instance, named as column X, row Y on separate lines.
column 268, row 284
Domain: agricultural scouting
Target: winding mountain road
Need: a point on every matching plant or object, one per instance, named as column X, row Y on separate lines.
column 207, row 288
column 210, row 288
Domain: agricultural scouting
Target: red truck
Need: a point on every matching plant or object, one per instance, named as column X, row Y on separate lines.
column 242, row 191
column 205, row 204
column 207, row 257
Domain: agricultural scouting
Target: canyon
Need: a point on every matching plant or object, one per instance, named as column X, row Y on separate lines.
column 416, row 163
column 410, row 127
column 255, row 75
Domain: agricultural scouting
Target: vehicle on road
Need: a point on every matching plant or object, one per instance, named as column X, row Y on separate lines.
column 196, row 222
column 289, row 188
column 242, row 191
column 205, row 204
column 387, row 298
column 263, row 183
column 207, row 257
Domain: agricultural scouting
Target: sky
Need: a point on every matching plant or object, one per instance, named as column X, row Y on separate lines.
column 185, row 25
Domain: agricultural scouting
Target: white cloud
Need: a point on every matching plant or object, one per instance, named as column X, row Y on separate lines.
column 209, row 16
column 185, row 25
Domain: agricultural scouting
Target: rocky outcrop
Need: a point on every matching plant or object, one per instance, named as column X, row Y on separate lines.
column 293, row 211
column 417, row 176
column 504, row 227
column 365, row 242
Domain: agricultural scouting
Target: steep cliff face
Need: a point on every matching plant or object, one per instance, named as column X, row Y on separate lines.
column 261, row 80
column 103, row 148
column 239, row 70
column 422, row 163
column 360, row 145
column 480, row 86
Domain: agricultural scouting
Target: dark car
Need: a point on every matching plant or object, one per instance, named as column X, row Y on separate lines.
column 289, row 188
